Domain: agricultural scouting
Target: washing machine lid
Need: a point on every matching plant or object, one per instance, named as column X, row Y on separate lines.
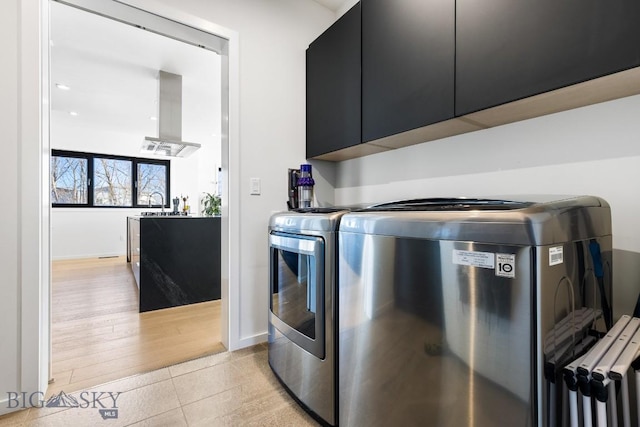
column 318, row 210
column 520, row 220
column 450, row 204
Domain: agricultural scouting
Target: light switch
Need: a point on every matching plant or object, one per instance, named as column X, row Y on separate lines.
column 255, row 186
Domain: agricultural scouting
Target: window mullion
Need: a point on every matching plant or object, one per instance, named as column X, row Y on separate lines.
column 90, row 180
column 134, row 183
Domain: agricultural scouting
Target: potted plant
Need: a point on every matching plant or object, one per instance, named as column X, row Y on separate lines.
column 212, row 205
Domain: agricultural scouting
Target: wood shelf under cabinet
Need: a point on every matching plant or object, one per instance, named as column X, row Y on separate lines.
column 602, row 89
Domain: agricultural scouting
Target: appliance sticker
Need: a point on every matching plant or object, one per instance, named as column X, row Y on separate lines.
column 555, row 256
column 506, row 265
column 474, row 259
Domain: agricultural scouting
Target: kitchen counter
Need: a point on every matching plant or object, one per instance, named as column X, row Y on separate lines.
column 177, row 258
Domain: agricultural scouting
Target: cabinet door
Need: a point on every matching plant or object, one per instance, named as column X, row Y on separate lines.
column 512, row 49
column 333, row 87
column 407, row 65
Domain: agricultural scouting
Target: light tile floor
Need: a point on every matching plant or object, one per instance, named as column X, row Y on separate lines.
column 225, row 389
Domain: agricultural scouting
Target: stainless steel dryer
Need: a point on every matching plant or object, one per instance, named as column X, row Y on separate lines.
column 448, row 307
column 302, row 310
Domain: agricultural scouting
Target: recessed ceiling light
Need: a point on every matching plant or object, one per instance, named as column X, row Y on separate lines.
column 154, row 118
column 73, row 113
column 62, row 86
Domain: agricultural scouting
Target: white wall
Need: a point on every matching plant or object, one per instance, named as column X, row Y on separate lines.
column 9, row 250
column 348, row 4
column 592, row 150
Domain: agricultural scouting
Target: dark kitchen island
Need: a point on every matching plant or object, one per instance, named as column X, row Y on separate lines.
column 176, row 260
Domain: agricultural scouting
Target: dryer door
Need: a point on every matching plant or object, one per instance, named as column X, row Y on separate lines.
column 297, row 289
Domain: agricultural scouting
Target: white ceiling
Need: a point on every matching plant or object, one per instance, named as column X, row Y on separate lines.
column 334, row 5
column 112, row 69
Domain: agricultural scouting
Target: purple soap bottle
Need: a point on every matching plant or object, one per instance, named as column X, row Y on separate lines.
column 305, row 186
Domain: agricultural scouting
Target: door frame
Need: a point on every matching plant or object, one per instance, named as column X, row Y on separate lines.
column 230, row 153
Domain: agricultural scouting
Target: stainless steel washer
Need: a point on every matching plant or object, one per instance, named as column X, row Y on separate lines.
column 445, row 307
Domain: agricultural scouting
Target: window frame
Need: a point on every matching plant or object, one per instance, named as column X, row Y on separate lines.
column 74, row 155
column 135, row 161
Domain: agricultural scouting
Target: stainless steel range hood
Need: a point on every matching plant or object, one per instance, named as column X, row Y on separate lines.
column 169, row 141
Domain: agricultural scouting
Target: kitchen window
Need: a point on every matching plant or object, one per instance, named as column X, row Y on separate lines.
column 69, row 180
column 112, row 182
column 152, row 178
column 99, row 180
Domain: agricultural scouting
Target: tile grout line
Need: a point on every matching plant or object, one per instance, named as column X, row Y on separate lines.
column 184, row 416
column 208, row 366
column 173, row 384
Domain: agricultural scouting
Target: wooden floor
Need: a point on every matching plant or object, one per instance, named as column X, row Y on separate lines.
column 99, row 336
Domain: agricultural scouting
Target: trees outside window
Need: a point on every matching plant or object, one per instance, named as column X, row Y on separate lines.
column 152, row 178
column 112, row 182
column 98, row 180
column 69, row 180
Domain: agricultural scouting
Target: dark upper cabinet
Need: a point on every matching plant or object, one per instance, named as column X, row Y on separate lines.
column 333, row 87
column 512, row 49
column 407, row 65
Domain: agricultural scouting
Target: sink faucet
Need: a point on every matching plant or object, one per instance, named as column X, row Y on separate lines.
column 161, row 199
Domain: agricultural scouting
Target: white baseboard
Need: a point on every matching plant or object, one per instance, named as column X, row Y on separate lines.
column 4, row 407
column 253, row 340
column 84, row 256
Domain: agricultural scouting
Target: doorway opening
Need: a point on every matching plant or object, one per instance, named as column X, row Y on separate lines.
column 106, row 87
